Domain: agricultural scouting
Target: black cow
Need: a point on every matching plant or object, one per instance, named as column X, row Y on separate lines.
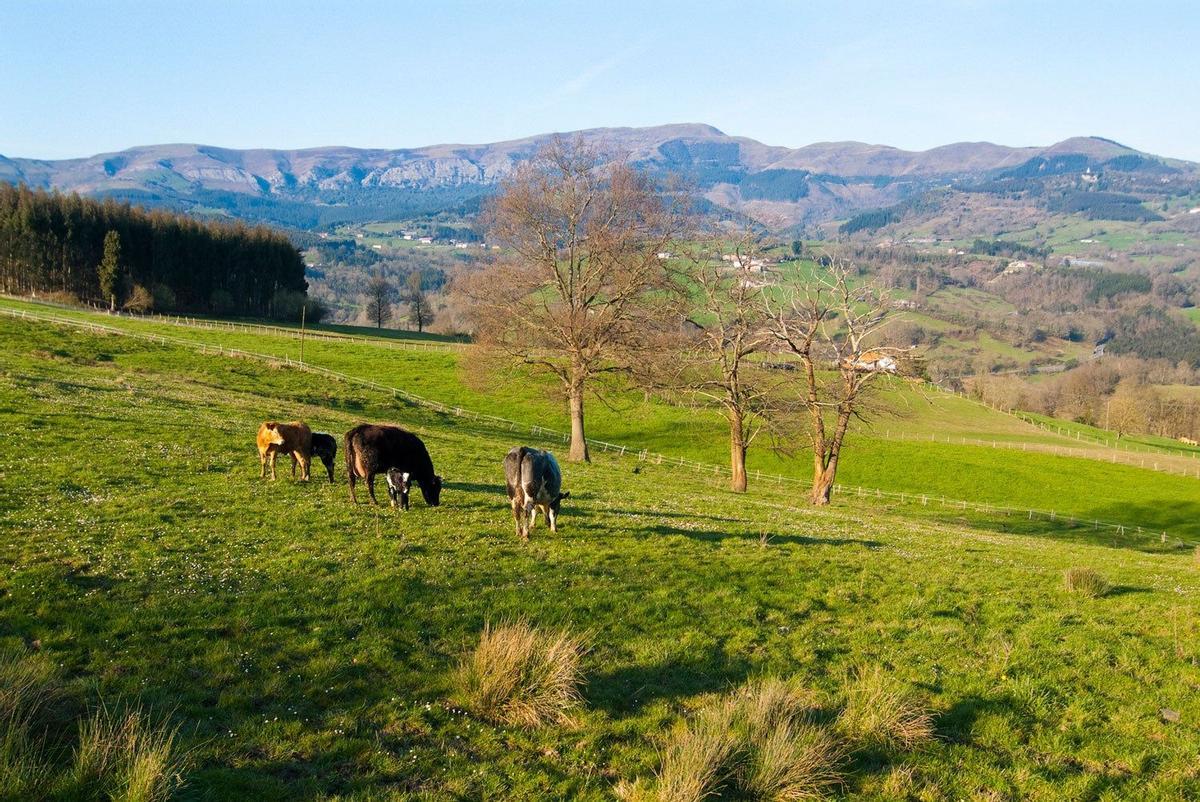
column 325, row 446
column 534, row 482
column 374, row 449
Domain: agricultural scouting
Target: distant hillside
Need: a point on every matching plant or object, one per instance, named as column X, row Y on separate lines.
column 779, row 186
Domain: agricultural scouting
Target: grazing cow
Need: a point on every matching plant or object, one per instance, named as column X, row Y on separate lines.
column 325, row 446
column 374, row 449
column 293, row 438
column 534, row 482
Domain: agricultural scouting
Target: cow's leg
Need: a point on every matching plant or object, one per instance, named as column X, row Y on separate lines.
column 515, row 504
column 295, row 459
column 371, row 487
column 353, row 479
column 305, row 461
column 271, row 457
column 262, row 465
column 530, row 513
column 552, row 518
column 328, row 467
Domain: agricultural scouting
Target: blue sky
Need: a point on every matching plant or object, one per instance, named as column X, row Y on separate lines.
column 88, row 77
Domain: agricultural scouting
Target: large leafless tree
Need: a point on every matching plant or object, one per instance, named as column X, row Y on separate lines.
column 829, row 322
column 573, row 289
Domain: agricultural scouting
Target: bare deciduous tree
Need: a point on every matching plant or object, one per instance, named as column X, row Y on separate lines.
column 714, row 360
column 420, row 313
column 379, row 301
column 829, row 323
column 573, row 289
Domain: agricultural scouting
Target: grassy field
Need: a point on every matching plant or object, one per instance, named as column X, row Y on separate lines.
column 306, row 648
column 890, row 454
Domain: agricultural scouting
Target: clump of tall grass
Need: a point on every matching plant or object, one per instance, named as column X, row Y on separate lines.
column 128, row 756
column 521, row 675
column 759, row 742
column 1086, row 582
column 880, row 712
column 27, row 683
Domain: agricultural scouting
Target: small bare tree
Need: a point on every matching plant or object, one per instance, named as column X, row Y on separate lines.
column 572, row 292
column 379, row 301
column 715, row 358
column 420, row 313
column 829, row 323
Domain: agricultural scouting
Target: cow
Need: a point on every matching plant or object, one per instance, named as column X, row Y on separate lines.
column 373, row 449
column 398, row 484
column 325, row 446
column 294, row 439
column 534, row 482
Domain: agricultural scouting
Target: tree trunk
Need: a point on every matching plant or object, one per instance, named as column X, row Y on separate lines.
column 822, row 489
column 579, row 448
column 737, row 454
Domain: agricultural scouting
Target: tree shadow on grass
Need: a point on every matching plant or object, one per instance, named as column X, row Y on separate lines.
column 475, row 487
column 713, row 535
column 1089, row 528
column 625, row 690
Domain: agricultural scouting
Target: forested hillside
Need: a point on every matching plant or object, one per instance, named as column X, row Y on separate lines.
column 114, row 253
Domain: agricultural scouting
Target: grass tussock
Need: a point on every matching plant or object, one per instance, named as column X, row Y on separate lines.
column 121, row 758
column 1086, row 582
column 756, row 743
column 522, row 676
column 880, row 712
column 27, row 683
column 129, row 755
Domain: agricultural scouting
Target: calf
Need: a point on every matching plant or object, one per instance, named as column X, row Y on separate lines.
column 534, row 482
column 325, row 446
column 374, row 449
column 293, row 438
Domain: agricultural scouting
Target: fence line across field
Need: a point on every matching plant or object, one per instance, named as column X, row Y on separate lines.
column 644, row 455
column 261, row 328
column 1141, row 448
column 1115, row 457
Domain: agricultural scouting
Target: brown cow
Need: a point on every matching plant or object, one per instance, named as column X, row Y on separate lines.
column 293, row 438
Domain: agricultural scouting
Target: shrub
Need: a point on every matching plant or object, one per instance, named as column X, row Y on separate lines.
column 756, row 743
column 1086, row 582
column 164, row 297
column 520, row 675
column 881, row 713
column 140, row 300
column 128, row 757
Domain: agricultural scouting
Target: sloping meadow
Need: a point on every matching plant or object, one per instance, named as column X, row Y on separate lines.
column 307, row 648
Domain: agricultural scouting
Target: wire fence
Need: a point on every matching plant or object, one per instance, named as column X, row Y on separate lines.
column 644, row 455
column 1075, row 434
column 1156, row 462
column 261, row 328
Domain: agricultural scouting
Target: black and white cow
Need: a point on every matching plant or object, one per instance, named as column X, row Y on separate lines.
column 534, row 482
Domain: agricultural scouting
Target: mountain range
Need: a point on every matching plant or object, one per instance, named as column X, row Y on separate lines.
column 779, row 186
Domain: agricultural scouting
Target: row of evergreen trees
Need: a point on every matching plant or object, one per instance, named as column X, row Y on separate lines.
column 118, row 254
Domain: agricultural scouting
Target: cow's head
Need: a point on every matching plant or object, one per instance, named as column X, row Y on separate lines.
column 399, row 483
column 554, row 505
column 274, row 436
column 432, row 491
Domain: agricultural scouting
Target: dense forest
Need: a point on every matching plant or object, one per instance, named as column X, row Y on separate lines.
column 122, row 255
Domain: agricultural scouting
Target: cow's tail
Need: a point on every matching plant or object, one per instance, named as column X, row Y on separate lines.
column 527, row 479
